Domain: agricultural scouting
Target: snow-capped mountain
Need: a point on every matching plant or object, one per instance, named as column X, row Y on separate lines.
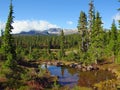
column 51, row 31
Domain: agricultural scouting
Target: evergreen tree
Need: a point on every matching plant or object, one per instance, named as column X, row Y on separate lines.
column 62, row 52
column 8, row 46
column 97, row 42
column 91, row 20
column 91, row 15
column 82, row 28
column 84, row 37
column 10, row 67
column 49, row 46
column 113, row 40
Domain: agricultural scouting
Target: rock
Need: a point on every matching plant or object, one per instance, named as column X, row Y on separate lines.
column 73, row 65
column 84, row 69
column 79, row 66
column 89, row 68
column 95, row 67
column 48, row 63
column 60, row 64
column 55, row 63
column 70, row 65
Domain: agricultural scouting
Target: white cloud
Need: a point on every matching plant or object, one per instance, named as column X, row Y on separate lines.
column 2, row 25
column 117, row 17
column 26, row 25
column 69, row 22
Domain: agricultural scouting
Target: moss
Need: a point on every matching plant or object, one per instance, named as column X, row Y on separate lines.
column 106, row 85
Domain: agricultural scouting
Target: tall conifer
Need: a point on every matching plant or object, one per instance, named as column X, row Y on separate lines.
column 84, row 37
column 113, row 40
column 62, row 52
column 97, row 36
column 91, row 15
column 8, row 46
column 82, row 29
column 10, row 68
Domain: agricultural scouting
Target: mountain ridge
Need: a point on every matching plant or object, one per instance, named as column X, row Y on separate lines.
column 50, row 31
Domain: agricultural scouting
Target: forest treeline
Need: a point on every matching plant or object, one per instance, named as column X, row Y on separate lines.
column 75, row 47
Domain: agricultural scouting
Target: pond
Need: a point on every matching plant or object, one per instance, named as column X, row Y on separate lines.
column 71, row 76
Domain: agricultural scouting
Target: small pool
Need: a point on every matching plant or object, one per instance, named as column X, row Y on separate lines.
column 71, row 76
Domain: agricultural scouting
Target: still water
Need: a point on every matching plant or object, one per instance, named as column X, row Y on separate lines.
column 72, row 76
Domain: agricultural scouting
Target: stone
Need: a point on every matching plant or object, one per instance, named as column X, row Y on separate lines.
column 89, row 68
column 79, row 66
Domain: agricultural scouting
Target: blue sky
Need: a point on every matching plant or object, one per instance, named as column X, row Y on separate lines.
column 43, row 14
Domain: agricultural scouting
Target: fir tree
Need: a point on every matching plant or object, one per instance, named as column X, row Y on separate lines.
column 49, row 46
column 91, row 15
column 113, row 40
column 8, row 46
column 82, row 29
column 97, row 42
column 84, row 38
column 10, row 68
column 62, row 52
column 91, row 20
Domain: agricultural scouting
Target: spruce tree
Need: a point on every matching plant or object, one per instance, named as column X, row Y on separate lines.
column 8, row 46
column 91, row 19
column 83, row 36
column 113, row 40
column 91, row 15
column 48, row 46
column 10, row 67
column 97, row 42
column 82, row 29
column 62, row 37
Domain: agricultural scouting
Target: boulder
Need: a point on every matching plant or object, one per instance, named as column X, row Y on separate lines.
column 84, row 69
column 79, row 66
column 89, row 68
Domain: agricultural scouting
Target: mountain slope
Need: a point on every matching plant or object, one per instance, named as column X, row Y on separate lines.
column 51, row 31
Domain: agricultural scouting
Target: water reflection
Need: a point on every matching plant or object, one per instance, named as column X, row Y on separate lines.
column 65, row 77
column 71, row 76
column 89, row 78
